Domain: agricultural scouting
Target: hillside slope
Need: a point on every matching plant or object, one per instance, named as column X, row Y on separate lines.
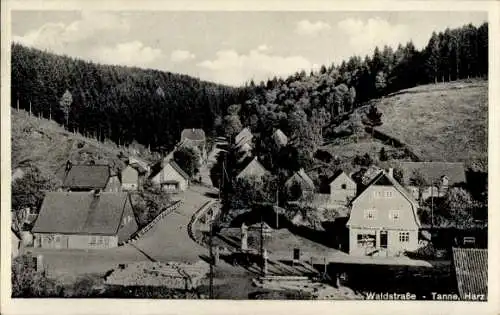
column 443, row 122
column 439, row 122
column 48, row 146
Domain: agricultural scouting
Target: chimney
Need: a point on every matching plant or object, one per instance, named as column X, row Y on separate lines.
column 244, row 237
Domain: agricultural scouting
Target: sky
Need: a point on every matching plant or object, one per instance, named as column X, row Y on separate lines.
column 227, row 47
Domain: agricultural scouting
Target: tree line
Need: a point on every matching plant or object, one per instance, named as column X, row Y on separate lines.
column 152, row 107
column 308, row 106
column 122, row 104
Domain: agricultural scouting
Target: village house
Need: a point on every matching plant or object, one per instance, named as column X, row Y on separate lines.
column 252, row 170
column 439, row 176
column 299, row 186
column 132, row 176
column 169, row 176
column 84, row 220
column 90, row 177
column 383, row 219
column 245, row 136
column 280, row 138
column 342, row 188
column 194, row 138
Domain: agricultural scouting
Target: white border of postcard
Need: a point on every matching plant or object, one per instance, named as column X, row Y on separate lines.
column 122, row 306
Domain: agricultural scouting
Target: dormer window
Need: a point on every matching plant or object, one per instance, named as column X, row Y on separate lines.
column 370, row 214
column 394, row 215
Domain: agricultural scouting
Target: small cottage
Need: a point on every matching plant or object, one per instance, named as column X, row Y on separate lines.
column 383, row 219
column 169, row 176
column 280, row 138
column 299, row 186
column 194, row 138
column 252, row 170
column 132, row 176
column 342, row 188
column 84, row 220
column 245, row 136
column 90, row 177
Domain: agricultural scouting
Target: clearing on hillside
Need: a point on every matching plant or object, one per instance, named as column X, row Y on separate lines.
column 443, row 122
column 438, row 122
column 47, row 145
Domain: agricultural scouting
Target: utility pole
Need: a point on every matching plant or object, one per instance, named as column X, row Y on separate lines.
column 18, row 104
column 50, row 112
column 30, row 107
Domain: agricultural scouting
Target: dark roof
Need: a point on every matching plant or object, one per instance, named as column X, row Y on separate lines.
column 433, row 171
column 471, row 270
column 87, row 176
column 193, row 134
column 81, row 213
column 302, row 176
column 158, row 166
column 179, row 170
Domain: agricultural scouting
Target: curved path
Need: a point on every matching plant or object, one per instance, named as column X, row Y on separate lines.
column 169, row 240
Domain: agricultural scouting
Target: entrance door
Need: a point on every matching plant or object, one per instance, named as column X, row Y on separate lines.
column 383, row 239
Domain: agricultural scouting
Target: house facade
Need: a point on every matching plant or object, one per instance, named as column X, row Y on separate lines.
column 252, row 170
column 299, row 186
column 280, row 138
column 84, row 220
column 342, row 188
column 130, row 178
column 383, row 219
column 244, row 136
column 194, row 138
column 170, row 177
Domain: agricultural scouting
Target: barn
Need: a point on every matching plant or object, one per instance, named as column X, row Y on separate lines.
column 84, row 220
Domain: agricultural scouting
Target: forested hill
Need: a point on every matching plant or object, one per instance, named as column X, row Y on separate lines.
column 152, row 107
column 119, row 103
column 309, row 106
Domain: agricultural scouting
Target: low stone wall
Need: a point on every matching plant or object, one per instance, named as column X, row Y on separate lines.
column 164, row 213
column 196, row 216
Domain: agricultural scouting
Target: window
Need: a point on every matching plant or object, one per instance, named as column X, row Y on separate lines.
column 370, row 214
column 93, row 241
column 394, row 215
column 366, row 240
column 404, row 237
column 469, row 240
column 106, row 241
column 343, row 186
column 100, row 240
column 388, row 194
column 377, row 194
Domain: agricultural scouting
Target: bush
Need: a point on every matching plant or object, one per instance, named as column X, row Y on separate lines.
column 28, row 282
